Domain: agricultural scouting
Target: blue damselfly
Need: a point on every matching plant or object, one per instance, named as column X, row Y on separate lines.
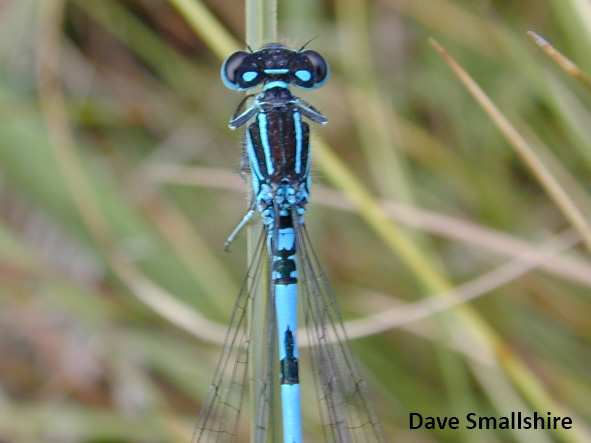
column 278, row 157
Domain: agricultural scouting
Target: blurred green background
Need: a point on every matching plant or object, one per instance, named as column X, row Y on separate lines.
column 119, row 183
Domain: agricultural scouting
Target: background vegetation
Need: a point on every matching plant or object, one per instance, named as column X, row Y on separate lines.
column 119, row 185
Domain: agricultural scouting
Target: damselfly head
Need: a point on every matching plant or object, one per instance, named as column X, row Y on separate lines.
column 274, row 62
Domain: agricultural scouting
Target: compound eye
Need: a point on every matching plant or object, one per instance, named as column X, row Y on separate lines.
column 320, row 68
column 230, row 68
column 240, row 71
column 309, row 70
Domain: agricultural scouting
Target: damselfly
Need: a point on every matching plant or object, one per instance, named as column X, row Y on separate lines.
column 278, row 156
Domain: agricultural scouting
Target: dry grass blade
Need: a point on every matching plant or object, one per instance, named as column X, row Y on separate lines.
column 571, row 68
column 543, row 175
column 434, row 223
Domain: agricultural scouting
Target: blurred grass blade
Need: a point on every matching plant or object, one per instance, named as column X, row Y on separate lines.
column 74, row 173
column 261, row 22
column 545, row 178
column 374, row 128
column 396, row 240
column 207, row 26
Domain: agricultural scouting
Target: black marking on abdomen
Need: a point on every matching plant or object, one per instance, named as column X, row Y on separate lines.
column 289, row 365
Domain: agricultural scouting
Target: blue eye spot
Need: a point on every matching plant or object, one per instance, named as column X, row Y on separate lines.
column 249, row 76
column 303, row 75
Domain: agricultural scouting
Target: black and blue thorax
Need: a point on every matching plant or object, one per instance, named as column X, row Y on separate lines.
column 277, row 140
